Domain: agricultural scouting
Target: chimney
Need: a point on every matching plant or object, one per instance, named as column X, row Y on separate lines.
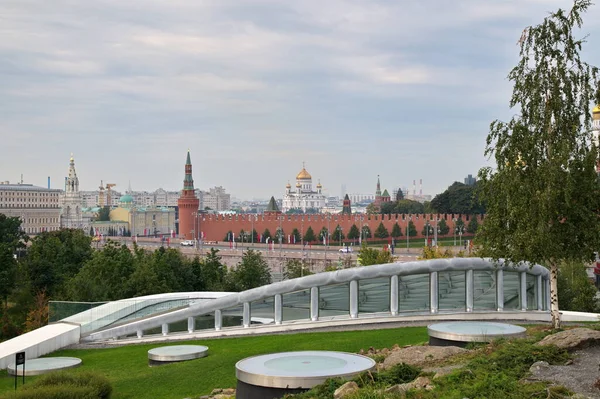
column 48, row 182
column 414, row 187
column 420, row 187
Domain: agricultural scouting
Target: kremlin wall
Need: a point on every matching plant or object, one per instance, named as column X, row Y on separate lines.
column 216, row 227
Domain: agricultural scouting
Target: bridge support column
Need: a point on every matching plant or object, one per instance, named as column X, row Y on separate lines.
column 500, row 290
column 140, row 333
column 278, row 309
column 314, row 303
column 353, row 299
column 523, row 290
column 539, row 289
column 191, row 324
column 218, row 320
column 433, row 292
column 469, row 288
column 165, row 329
column 246, row 317
column 394, row 295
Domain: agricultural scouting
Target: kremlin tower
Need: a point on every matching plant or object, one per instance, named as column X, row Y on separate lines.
column 188, row 205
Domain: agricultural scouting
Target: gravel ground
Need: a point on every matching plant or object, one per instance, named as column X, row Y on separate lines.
column 579, row 376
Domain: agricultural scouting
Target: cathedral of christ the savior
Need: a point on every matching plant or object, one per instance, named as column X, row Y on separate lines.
column 303, row 197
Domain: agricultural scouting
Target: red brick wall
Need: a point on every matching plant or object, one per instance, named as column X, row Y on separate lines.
column 215, row 227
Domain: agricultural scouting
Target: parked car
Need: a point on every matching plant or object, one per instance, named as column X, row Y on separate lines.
column 187, row 243
column 346, row 250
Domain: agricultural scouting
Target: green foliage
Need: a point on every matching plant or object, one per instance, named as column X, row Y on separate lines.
column 435, row 253
column 381, row 231
column 473, row 225
column 104, row 277
column 354, row 233
column 103, row 214
column 427, row 230
column 279, row 235
column 266, row 234
column 253, row 271
column 309, row 236
column 54, row 258
column 405, row 206
column 443, row 227
column 371, row 256
column 338, row 233
column 295, row 268
column 412, row 230
column 543, row 196
column 213, row 271
column 66, row 385
column 11, row 240
column 575, row 291
column 458, row 198
column 396, row 231
column 295, row 235
column 397, row 374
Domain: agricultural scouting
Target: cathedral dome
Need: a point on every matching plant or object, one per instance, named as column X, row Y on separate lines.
column 319, row 185
column 298, row 185
column 596, row 109
column 303, row 175
column 126, row 199
column 288, row 185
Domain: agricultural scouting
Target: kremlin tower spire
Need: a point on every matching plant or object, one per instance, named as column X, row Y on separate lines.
column 188, row 205
column 378, row 191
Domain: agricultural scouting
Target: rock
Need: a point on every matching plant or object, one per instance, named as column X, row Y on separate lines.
column 420, row 355
column 419, row 383
column 442, row 371
column 222, row 396
column 216, row 391
column 577, row 338
column 537, row 366
column 395, row 347
column 228, row 391
column 384, row 351
column 346, row 389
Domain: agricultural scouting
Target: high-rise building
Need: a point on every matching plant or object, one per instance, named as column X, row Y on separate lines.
column 215, row 198
column 470, row 180
column 188, row 204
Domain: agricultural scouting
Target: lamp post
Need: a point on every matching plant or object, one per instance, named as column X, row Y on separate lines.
column 327, row 237
column 339, row 231
column 252, row 231
column 408, row 233
column 460, row 230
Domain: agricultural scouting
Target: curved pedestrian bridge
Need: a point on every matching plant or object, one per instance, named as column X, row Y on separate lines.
column 419, row 291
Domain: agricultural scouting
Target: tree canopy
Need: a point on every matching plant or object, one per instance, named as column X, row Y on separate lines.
column 458, row 199
column 543, row 196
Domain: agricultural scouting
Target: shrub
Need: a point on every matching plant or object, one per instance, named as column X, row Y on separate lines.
column 66, row 385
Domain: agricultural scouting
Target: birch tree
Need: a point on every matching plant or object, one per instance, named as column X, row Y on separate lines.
column 542, row 197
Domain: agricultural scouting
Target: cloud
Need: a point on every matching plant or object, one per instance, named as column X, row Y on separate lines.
column 354, row 88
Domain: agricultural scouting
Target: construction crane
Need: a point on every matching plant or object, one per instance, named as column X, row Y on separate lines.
column 109, row 186
column 101, row 194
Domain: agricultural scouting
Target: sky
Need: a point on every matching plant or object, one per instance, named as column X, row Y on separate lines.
column 254, row 88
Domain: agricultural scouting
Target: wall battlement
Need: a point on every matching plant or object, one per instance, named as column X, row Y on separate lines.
column 216, row 227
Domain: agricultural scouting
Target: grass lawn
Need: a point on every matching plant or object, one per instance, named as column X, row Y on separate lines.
column 127, row 366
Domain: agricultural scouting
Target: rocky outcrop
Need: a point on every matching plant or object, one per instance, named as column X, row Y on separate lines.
column 345, row 390
column 219, row 393
column 421, row 355
column 419, row 383
column 576, row 338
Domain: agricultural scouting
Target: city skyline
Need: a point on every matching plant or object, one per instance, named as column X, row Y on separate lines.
column 254, row 89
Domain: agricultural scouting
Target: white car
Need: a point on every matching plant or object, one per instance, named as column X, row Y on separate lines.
column 187, row 243
column 346, row 250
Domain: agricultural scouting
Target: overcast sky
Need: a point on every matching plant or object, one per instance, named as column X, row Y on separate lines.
column 403, row 89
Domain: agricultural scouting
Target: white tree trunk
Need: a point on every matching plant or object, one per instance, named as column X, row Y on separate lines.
column 554, row 295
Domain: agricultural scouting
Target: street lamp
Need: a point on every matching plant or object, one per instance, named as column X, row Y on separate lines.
column 408, row 219
column 460, row 230
column 339, row 231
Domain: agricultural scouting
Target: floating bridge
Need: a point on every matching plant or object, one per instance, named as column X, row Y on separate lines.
column 439, row 289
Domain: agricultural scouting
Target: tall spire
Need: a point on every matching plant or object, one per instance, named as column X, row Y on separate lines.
column 378, row 191
column 72, row 182
column 188, row 181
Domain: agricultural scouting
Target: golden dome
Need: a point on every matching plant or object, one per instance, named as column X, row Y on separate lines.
column 288, row 185
column 303, row 175
column 298, row 185
column 319, row 185
column 596, row 109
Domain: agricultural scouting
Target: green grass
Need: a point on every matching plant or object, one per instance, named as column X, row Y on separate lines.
column 127, row 367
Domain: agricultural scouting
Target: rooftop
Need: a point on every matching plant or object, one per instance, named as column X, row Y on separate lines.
column 26, row 187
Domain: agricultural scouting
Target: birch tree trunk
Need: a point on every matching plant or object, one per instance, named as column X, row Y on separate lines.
column 554, row 295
